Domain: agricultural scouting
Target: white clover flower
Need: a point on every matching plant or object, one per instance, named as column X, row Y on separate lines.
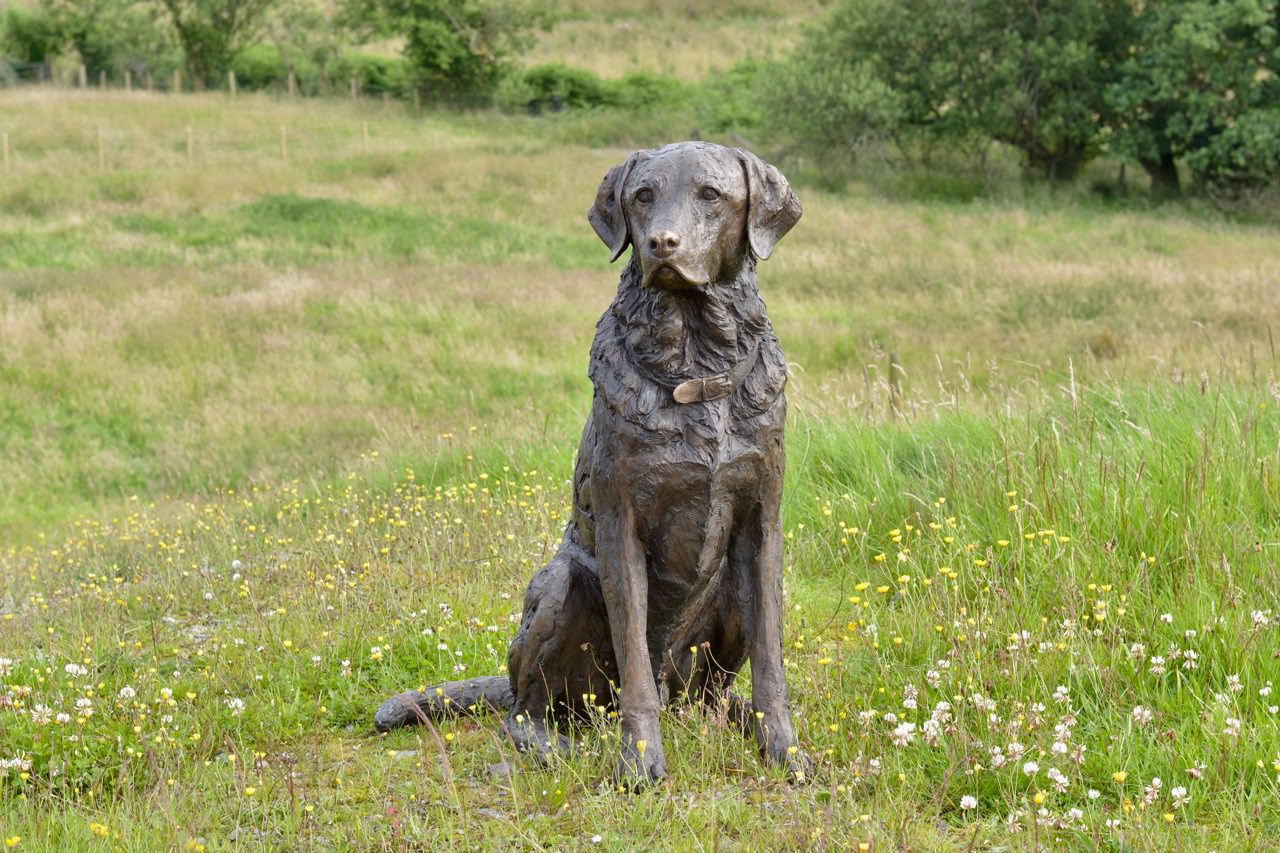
column 968, row 802
column 1031, row 768
column 903, row 734
column 236, row 705
column 1141, row 715
column 127, row 692
column 6, row 667
column 75, row 670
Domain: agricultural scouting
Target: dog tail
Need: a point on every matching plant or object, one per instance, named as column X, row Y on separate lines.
column 450, row 699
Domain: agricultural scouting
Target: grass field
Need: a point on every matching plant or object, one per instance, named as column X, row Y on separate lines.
column 285, row 431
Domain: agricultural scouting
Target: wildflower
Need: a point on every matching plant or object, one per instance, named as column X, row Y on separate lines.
column 1031, row 768
column 903, row 734
column 75, row 670
column 6, row 668
column 249, row 790
column 1157, row 665
column 1233, row 727
column 236, row 705
column 1062, row 694
column 127, row 692
column 41, row 714
column 1166, row 618
column 99, row 829
column 1059, row 780
column 968, row 802
column 1141, row 715
column 1233, row 683
column 12, row 841
column 376, row 653
column 1180, row 797
column 1120, row 776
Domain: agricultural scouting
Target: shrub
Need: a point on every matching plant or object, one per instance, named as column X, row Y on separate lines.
column 263, row 66
column 376, row 74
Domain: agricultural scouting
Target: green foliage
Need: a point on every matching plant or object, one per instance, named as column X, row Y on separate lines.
column 264, row 66
column 375, row 74
column 945, row 70
column 732, row 101
column 1201, row 84
column 458, row 48
column 28, row 35
column 1060, row 81
column 113, row 36
column 211, row 32
column 555, row 87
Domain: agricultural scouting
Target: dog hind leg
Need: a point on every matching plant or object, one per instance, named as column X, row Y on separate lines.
column 561, row 661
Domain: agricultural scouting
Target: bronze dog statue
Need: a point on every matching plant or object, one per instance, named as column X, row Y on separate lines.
column 669, row 576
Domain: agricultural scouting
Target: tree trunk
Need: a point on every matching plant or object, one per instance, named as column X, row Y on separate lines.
column 1164, row 175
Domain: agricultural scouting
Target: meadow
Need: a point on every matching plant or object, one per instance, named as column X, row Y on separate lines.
column 287, row 428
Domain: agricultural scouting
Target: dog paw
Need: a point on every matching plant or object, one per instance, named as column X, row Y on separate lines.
column 641, row 764
column 797, row 763
column 533, row 737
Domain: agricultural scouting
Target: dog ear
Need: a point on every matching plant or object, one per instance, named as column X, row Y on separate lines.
column 772, row 208
column 607, row 216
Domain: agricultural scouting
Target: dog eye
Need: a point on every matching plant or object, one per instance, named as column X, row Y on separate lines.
column 709, row 194
column 644, row 196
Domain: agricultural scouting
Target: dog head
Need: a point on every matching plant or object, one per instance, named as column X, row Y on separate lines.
column 693, row 210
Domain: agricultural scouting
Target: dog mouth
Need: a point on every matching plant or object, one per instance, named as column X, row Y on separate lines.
column 669, row 277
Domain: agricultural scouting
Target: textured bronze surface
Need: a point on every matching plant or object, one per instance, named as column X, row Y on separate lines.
column 669, row 576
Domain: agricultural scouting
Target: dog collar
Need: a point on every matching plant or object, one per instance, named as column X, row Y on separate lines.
column 705, row 389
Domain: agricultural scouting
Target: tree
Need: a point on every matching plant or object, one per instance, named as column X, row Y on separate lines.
column 212, row 31
column 1202, row 82
column 458, row 48
column 113, row 35
column 1029, row 74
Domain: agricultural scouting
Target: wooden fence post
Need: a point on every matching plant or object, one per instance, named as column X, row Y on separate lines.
column 83, row 77
column 231, row 83
column 102, row 79
column 293, row 84
column 417, row 101
column 355, row 89
column 284, row 144
column 365, row 136
column 128, row 80
column 177, row 80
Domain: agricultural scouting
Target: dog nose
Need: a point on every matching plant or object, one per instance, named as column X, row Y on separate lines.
column 663, row 243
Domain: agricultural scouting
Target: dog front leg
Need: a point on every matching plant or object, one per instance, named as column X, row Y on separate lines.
column 758, row 557
column 625, row 584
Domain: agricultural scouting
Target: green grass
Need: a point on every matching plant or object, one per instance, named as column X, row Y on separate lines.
column 260, row 417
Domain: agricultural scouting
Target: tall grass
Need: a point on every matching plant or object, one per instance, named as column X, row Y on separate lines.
column 282, row 438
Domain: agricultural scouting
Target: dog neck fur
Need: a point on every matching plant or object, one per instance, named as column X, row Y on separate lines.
column 684, row 334
column 680, row 335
